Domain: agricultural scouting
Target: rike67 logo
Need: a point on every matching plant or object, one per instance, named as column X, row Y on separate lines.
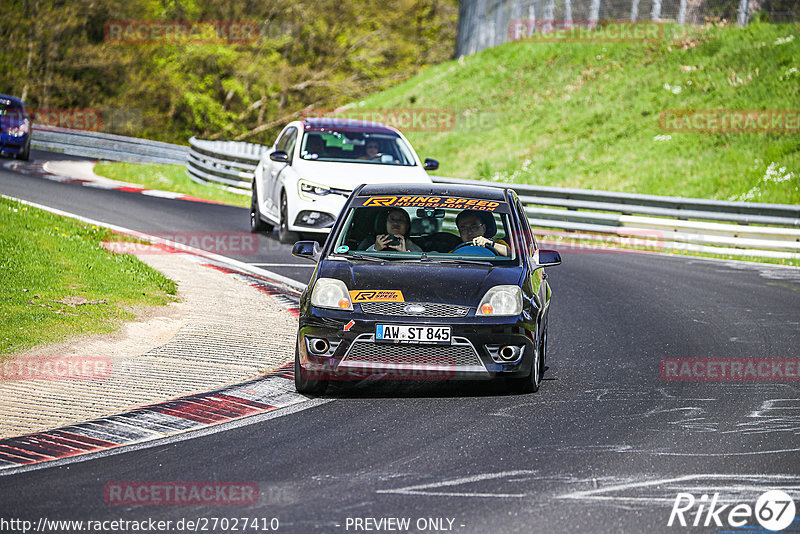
column 774, row 510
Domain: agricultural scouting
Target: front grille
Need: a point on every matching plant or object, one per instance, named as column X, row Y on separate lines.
column 457, row 355
column 398, row 309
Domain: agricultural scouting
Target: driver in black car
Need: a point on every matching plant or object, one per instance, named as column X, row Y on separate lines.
column 472, row 229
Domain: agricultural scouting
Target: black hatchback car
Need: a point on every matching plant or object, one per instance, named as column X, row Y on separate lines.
column 425, row 281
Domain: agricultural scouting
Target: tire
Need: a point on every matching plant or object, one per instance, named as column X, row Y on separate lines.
column 284, row 235
column 543, row 353
column 531, row 383
column 302, row 383
column 25, row 155
column 257, row 225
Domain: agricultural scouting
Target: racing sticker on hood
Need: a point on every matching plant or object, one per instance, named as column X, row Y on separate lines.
column 376, row 295
column 435, row 202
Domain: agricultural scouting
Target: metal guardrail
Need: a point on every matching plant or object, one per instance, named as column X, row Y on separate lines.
column 228, row 164
column 712, row 226
column 106, row 146
column 700, row 225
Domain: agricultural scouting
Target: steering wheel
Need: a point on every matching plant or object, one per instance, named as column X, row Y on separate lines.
column 489, row 248
column 376, row 156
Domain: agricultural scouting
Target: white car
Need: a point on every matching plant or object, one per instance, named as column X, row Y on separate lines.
column 303, row 181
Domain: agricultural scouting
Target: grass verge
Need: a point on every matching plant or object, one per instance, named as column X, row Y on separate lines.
column 168, row 178
column 49, row 265
column 588, row 115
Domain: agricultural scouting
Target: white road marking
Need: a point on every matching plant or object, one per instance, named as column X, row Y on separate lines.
column 423, row 489
column 155, row 239
column 162, row 194
column 283, row 265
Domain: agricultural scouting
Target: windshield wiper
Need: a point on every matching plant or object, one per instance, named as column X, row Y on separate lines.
column 465, row 262
column 362, row 257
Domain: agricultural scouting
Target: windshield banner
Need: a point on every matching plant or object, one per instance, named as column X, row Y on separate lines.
column 419, row 201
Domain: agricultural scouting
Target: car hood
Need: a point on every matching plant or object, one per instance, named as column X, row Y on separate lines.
column 11, row 120
column 461, row 284
column 351, row 175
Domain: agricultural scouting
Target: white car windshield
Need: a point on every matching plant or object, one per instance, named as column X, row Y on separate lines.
column 356, row 147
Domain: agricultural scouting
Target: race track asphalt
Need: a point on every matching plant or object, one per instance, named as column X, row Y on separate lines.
column 606, row 444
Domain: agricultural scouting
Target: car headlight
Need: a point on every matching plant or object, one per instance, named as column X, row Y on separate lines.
column 309, row 190
column 331, row 293
column 501, row 300
column 19, row 131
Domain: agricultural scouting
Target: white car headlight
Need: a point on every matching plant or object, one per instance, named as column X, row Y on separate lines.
column 501, row 300
column 309, row 190
column 331, row 293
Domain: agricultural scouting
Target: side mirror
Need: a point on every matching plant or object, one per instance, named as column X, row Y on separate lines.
column 547, row 258
column 430, row 164
column 280, row 156
column 306, row 249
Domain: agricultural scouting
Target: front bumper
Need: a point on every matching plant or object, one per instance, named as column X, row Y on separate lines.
column 352, row 352
column 12, row 144
column 315, row 214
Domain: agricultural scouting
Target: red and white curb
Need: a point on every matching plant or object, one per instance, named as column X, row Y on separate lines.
column 272, row 391
column 40, row 169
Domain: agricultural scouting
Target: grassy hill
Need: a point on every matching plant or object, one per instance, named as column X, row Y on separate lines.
column 588, row 115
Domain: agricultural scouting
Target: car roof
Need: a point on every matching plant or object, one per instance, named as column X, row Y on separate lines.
column 12, row 98
column 321, row 124
column 456, row 190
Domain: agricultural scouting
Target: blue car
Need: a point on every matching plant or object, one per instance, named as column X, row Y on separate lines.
column 15, row 128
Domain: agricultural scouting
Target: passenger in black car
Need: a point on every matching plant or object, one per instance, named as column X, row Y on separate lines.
column 398, row 227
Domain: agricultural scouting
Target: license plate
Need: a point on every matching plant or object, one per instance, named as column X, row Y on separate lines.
column 410, row 333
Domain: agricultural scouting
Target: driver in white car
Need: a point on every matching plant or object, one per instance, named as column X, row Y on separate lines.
column 472, row 229
column 373, row 148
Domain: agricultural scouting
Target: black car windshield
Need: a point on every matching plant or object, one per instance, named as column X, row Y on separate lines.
column 464, row 230
column 11, row 108
column 356, row 147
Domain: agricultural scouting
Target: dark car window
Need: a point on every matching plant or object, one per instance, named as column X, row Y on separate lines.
column 527, row 234
column 9, row 105
column 286, row 140
column 11, row 109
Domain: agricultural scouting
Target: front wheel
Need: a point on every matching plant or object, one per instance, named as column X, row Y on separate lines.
column 304, row 384
column 530, row 383
column 284, row 235
column 25, row 155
